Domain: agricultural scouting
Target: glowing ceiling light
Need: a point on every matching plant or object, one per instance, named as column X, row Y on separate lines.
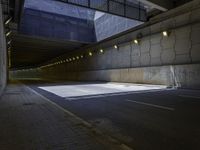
column 8, row 33
column 165, row 33
column 115, row 46
column 8, row 21
column 9, row 42
column 90, row 54
column 101, row 50
column 77, row 57
column 81, row 56
column 136, row 41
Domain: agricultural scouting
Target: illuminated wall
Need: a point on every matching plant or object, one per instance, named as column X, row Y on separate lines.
column 56, row 20
column 54, row 26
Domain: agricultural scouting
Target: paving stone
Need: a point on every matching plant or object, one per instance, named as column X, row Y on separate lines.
column 28, row 122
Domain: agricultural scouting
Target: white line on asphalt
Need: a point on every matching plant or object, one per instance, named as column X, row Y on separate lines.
column 189, row 96
column 152, row 105
column 61, row 108
column 112, row 94
column 87, row 124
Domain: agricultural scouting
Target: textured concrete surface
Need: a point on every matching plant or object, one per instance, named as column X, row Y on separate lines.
column 3, row 55
column 172, row 60
column 62, row 9
column 56, row 20
column 166, row 119
column 109, row 25
column 28, row 121
column 183, row 76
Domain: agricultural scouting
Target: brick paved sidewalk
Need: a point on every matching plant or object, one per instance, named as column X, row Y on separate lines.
column 29, row 122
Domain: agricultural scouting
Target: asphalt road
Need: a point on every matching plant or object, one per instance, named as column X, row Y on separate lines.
column 147, row 120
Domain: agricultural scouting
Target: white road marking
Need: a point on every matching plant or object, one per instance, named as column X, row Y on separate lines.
column 189, row 96
column 84, row 91
column 59, row 107
column 152, row 105
column 122, row 146
column 112, row 94
column 95, row 89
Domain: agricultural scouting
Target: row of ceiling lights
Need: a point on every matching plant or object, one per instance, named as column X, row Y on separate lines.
column 71, row 59
column 90, row 53
column 6, row 23
column 8, row 32
column 8, row 39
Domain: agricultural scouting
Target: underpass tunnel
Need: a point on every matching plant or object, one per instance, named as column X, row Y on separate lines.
column 96, row 46
column 108, row 65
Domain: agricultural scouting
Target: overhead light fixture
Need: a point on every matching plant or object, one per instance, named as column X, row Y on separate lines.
column 101, row 50
column 81, row 56
column 8, row 21
column 138, row 38
column 70, row 59
column 74, row 58
column 90, row 53
column 165, row 33
column 115, row 46
column 77, row 57
column 8, row 33
column 136, row 41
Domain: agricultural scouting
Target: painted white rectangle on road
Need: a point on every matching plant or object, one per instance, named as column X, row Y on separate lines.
column 82, row 89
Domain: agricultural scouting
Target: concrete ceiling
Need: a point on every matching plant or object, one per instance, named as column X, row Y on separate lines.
column 163, row 5
column 32, row 51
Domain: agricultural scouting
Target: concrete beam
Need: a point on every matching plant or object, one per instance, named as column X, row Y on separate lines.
column 162, row 5
column 17, row 10
column 16, row 14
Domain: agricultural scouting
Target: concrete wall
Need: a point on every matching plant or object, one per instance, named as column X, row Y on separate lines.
column 60, row 8
column 182, row 76
column 57, row 26
column 33, row 74
column 186, row 76
column 173, row 60
column 109, row 25
column 3, row 55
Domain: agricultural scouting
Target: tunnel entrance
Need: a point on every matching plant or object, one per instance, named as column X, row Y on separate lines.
column 83, row 78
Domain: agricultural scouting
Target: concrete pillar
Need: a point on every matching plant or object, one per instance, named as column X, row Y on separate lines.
column 3, row 55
